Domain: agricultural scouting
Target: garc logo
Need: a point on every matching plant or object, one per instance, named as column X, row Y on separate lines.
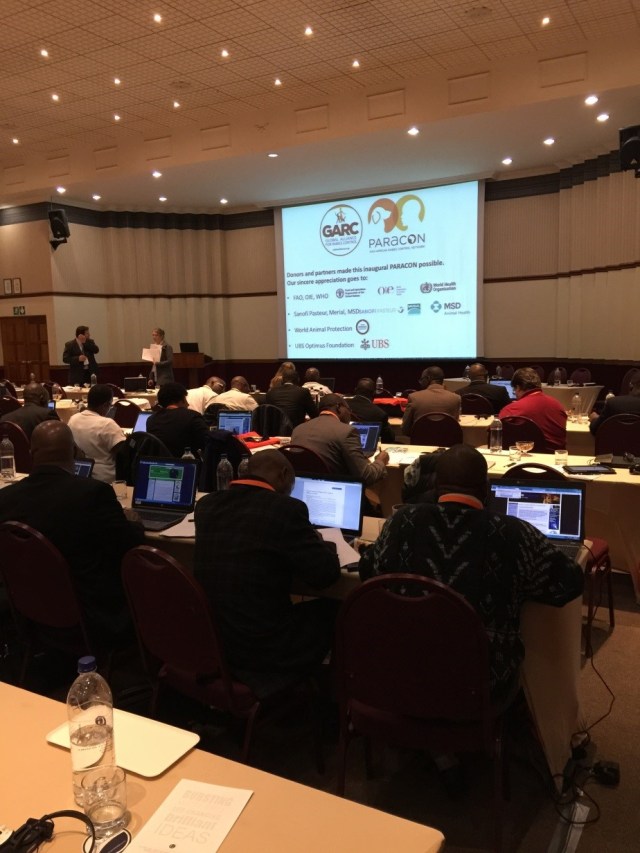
column 341, row 229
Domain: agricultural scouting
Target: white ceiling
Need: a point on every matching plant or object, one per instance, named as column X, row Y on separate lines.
column 396, row 42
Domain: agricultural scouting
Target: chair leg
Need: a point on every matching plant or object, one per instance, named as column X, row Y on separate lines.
column 500, row 787
column 590, row 579
column 612, row 615
column 26, row 658
column 368, row 758
column 248, row 732
column 343, row 746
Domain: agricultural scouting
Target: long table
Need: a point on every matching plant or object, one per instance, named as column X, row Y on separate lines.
column 563, row 393
column 281, row 815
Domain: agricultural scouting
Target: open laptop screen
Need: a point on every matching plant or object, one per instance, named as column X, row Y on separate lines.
column 236, row 422
column 83, row 467
column 331, row 501
column 369, row 434
column 505, row 383
column 135, row 383
column 555, row 508
column 165, row 484
column 141, row 422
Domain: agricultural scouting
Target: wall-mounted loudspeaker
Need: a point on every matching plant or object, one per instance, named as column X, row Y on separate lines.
column 59, row 224
column 630, row 149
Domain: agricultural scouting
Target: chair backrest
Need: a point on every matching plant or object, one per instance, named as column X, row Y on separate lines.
column 144, row 444
column 581, row 375
column 211, row 413
column 563, row 374
column 21, row 445
column 8, row 404
column 475, row 404
column 387, row 616
column 517, row 428
column 38, row 581
column 506, row 371
column 116, row 389
column 125, row 412
column 269, row 420
column 533, row 471
column 10, row 388
column 625, row 385
column 618, row 434
column 436, row 428
column 303, row 460
column 171, row 614
column 219, row 441
column 539, row 369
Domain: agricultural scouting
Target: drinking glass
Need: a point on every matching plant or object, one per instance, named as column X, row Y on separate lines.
column 561, row 457
column 105, row 799
column 525, row 446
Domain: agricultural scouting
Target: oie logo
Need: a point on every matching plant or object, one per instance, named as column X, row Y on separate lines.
column 341, row 229
column 391, row 212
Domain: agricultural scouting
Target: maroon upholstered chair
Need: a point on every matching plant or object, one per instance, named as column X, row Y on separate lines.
column 304, row 461
column 475, row 404
column 506, row 371
column 269, row 420
column 581, row 375
column 516, row 428
column 563, row 374
column 8, row 404
column 625, row 385
column 539, row 369
column 598, row 566
column 10, row 387
column 176, row 629
column 619, row 434
column 436, row 700
column 21, row 445
column 116, row 389
column 125, row 412
column 436, row 428
column 41, row 594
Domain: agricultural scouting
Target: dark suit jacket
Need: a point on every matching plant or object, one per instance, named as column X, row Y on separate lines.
column 162, row 371
column 78, row 374
column 83, row 519
column 179, row 428
column 29, row 416
column 496, row 394
column 294, row 401
column 367, row 411
column 626, row 404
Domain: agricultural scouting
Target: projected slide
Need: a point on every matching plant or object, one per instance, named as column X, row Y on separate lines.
column 386, row 276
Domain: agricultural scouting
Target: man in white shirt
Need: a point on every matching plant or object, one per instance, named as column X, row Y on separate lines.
column 99, row 437
column 312, row 382
column 237, row 397
column 199, row 398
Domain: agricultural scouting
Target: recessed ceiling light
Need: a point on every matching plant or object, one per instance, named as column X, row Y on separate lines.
column 44, row 53
column 224, row 53
column 277, row 82
column 507, row 161
column 413, row 131
column 117, row 81
column 157, row 18
column 308, row 31
column 355, row 64
column 96, row 197
column 546, row 21
column 549, row 140
column 162, row 198
column 116, row 117
column 224, row 201
column 176, row 105
column 61, row 190
column 590, row 100
column 272, row 154
column 55, row 97
column 603, row 117
column 15, row 140
column 156, row 174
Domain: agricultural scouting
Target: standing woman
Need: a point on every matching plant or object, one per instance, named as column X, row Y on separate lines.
column 162, row 370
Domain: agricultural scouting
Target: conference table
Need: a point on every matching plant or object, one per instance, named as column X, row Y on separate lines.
column 281, row 815
column 563, row 393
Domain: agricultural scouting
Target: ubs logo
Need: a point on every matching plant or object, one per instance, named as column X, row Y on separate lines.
column 341, row 229
column 394, row 211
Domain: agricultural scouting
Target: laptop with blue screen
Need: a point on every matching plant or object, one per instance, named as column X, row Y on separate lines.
column 505, row 383
column 237, row 423
column 141, row 422
column 331, row 501
column 164, row 491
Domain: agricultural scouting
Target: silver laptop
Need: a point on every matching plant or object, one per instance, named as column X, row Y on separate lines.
column 237, row 423
column 556, row 509
column 164, row 491
column 331, row 501
column 369, row 434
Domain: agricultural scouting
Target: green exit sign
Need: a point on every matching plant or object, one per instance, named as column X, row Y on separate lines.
column 19, row 310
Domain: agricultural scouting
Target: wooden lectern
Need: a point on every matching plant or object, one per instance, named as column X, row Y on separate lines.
column 191, row 361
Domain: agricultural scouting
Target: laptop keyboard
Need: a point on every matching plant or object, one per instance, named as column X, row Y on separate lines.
column 569, row 549
column 153, row 520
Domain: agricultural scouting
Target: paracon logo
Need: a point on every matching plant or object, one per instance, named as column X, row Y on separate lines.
column 391, row 212
column 340, row 229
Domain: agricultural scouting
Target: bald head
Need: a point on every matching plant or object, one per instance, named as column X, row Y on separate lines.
column 52, row 444
column 478, row 373
column 274, row 468
column 216, row 384
column 36, row 393
column 240, row 384
column 462, row 469
column 312, row 374
column 432, row 375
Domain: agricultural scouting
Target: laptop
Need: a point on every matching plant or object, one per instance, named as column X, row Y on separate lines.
column 135, row 383
column 331, row 501
column 369, row 435
column 83, row 467
column 189, row 346
column 506, row 383
column 237, row 423
column 329, row 381
column 141, row 422
column 164, row 491
column 556, row 509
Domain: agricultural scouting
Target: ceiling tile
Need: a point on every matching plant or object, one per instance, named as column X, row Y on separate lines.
column 508, row 47
column 236, row 23
column 427, row 24
column 464, row 58
column 417, row 67
column 195, row 34
column 618, row 24
column 340, row 85
column 119, row 28
column 558, row 38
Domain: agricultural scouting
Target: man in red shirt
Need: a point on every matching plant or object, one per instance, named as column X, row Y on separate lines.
column 531, row 402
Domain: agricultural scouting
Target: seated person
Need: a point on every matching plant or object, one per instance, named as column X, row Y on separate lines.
column 100, row 437
column 175, row 424
column 496, row 562
column 362, row 405
column 199, row 398
column 312, row 382
column 34, row 411
column 495, row 394
column 296, row 402
column 252, row 541
column 543, row 409
column 237, row 397
column 337, row 443
column 433, row 398
column 276, row 379
column 625, row 404
column 83, row 519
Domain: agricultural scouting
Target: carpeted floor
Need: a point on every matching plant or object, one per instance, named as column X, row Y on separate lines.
column 405, row 782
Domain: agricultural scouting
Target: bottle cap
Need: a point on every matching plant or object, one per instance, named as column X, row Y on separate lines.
column 87, row 664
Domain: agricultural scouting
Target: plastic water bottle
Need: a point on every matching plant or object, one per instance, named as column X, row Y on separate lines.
column 466, row 372
column 379, row 385
column 576, row 407
column 188, row 454
column 7, row 460
column 498, row 372
column 495, row 435
column 224, row 473
column 557, row 376
column 90, row 712
column 94, row 379
column 243, row 467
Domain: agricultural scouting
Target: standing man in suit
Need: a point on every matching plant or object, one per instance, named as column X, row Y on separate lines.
column 162, row 370
column 625, row 404
column 495, row 394
column 80, row 355
column 433, row 398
